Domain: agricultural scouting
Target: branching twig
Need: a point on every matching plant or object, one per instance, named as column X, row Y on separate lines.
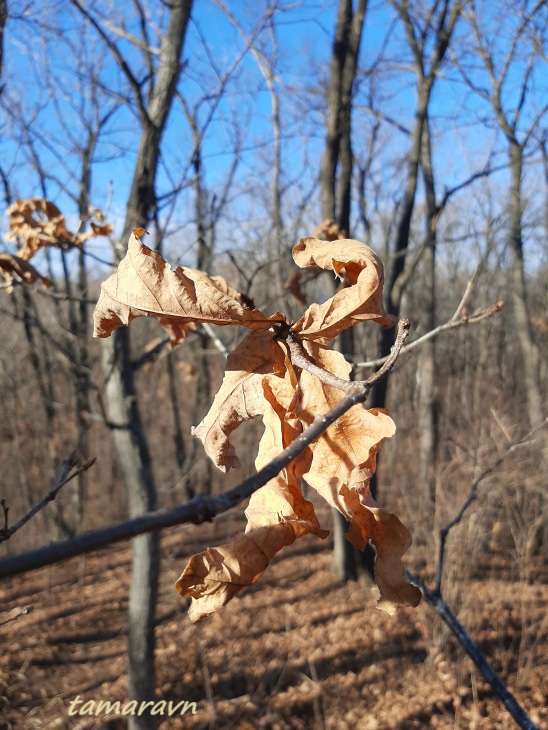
column 472, row 494
column 65, row 475
column 435, row 599
column 203, row 509
column 300, row 359
column 474, row 318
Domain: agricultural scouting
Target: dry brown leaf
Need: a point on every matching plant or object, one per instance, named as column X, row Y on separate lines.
column 343, row 461
column 277, row 514
column 357, row 303
column 37, row 222
column 14, row 268
column 213, row 577
column 145, row 286
column 239, row 398
column 353, row 441
column 326, row 231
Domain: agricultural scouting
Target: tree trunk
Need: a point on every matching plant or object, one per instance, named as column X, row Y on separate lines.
column 527, row 345
column 336, row 200
column 127, row 429
column 134, row 458
column 426, row 416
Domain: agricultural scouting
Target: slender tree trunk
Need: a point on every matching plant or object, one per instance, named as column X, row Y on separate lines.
column 134, row 459
column 527, row 345
column 178, row 437
column 336, row 199
column 394, row 288
column 426, row 415
column 125, row 419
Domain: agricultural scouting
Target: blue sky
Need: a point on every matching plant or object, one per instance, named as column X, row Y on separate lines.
column 42, row 78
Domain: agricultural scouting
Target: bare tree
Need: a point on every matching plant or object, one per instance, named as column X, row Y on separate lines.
column 519, row 119
column 125, row 419
column 428, row 34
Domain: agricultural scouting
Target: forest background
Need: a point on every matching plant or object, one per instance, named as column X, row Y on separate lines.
column 230, row 131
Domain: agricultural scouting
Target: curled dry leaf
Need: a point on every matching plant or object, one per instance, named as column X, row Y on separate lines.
column 239, row 398
column 277, row 514
column 145, row 286
column 343, row 462
column 14, row 268
column 359, row 302
column 326, row 231
column 37, row 222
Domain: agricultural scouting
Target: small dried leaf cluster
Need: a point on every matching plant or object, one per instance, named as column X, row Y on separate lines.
column 261, row 380
column 36, row 223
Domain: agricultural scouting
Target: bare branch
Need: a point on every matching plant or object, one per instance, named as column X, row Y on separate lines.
column 476, row 317
column 472, row 494
column 300, row 359
column 476, row 654
column 467, row 293
column 203, row 509
column 65, row 475
column 435, row 599
column 135, row 85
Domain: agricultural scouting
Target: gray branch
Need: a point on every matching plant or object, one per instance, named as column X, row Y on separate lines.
column 64, row 477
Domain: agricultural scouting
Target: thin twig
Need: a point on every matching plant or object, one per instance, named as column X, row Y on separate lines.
column 300, row 359
column 202, row 509
column 65, row 475
column 219, row 344
column 472, row 494
column 476, row 317
column 467, row 293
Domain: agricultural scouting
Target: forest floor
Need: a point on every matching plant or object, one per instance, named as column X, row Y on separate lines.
column 298, row 650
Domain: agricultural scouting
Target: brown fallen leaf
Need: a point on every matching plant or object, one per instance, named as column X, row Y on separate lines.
column 145, row 286
column 359, row 302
